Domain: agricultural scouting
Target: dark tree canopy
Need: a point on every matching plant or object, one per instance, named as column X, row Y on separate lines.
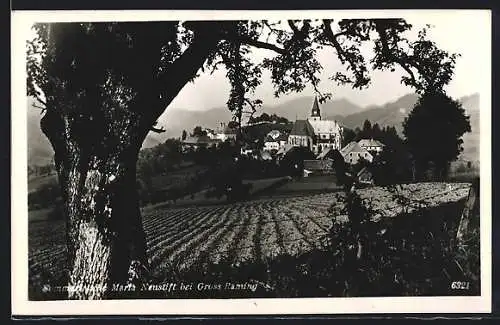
column 264, row 117
column 445, row 122
column 87, row 61
column 198, row 131
column 348, row 135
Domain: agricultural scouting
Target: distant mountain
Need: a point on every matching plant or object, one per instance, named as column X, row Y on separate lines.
column 300, row 108
column 390, row 114
column 393, row 114
column 175, row 120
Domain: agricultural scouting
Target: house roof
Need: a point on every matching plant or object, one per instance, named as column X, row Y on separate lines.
column 325, row 126
column 362, row 171
column 276, row 136
column 352, row 147
column 303, row 128
column 347, row 148
column 370, row 143
column 324, row 153
column 318, row 164
column 285, row 149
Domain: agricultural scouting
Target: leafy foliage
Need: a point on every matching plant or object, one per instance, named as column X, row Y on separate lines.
column 444, row 122
column 78, row 59
column 264, row 117
column 198, row 132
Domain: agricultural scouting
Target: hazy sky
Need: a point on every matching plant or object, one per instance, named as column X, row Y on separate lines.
column 459, row 32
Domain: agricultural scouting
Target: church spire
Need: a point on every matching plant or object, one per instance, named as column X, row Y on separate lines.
column 315, row 108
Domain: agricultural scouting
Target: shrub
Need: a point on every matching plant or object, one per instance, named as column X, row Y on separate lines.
column 411, row 254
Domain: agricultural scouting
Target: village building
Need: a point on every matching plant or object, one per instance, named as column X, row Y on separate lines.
column 316, row 133
column 353, row 153
column 226, row 133
column 365, row 177
column 323, row 166
column 371, row 145
column 283, row 151
column 212, row 134
column 275, row 140
column 302, row 134
column 196, row 142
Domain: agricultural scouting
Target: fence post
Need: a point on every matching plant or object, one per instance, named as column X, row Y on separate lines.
column 471, row 206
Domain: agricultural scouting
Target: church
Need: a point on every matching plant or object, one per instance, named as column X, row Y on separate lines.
column 316, row 133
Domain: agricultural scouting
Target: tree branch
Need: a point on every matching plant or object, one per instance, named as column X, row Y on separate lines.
column 299, row 33
column 252, row 105
column 260, row 44
column 184, row 69
column 156, row 130
column 333, row 39
column 389, row 54
column 352, row 57
column 294, row 28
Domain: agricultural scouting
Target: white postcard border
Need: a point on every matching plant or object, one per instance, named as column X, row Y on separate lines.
column 21, row 22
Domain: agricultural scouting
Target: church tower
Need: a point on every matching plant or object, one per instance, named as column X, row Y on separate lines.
column 315, row 113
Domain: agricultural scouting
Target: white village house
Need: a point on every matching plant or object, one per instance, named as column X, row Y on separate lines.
column 353, row 153
column 275, row 140
column 371, row 145
column 224, row 133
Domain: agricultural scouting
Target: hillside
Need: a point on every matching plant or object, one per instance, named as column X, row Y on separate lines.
column 300, row 108
column 259, row 131
column 390, row 114
column 393, row 114
column 175, row 120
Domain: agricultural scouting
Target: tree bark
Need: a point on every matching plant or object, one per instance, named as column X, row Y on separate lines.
column 107, row 242
column 96, row 134
column 97, row 175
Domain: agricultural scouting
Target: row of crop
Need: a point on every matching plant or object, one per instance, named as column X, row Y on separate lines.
column 225, row 250
column 170, row 239
column 407, row 198
column 182, row 255
column 188, row 238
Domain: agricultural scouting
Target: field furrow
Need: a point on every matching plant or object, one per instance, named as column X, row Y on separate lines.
column 192, row 250
column 161, row 251
column 245, row 248
column 224, row 248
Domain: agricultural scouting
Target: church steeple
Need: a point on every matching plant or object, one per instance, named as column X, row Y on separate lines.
column 315, row 112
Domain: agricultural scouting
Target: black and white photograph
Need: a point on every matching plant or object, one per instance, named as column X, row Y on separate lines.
column 236, row 156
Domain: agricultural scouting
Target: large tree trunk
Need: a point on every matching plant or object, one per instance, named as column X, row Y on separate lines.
column 107, row 242
column 97, row 175
column 96, row 128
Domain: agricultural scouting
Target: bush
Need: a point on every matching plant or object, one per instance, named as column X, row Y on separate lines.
column 411, row 254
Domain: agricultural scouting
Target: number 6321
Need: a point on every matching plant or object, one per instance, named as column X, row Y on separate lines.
column 460, row 285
